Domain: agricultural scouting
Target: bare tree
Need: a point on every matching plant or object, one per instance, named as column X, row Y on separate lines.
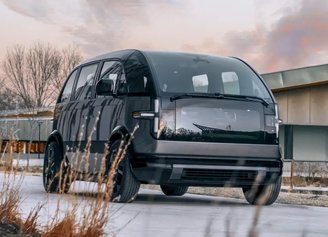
column 9, row 100
column 14, row 68
column 30, row 73
column 36, row 75
column 2, row 82
column 42, row 64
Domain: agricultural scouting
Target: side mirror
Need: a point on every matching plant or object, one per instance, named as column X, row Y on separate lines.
column 105, row 87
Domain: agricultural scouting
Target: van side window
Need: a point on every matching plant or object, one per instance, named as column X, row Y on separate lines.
column 137, row 76
column 107, row 65
column 85, row 82
column 67, row 91
column 112, row 70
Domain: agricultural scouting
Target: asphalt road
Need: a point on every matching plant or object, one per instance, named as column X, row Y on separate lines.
column 153, row 214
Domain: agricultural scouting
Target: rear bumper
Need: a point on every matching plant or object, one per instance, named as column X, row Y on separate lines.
column 207, row 164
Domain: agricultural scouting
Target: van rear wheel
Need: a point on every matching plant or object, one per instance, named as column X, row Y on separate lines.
column 263, row 194
column 55, row 171
column 174, row 190
column 126, row 185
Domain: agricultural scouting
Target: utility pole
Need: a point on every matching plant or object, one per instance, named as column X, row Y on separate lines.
column 39, row 124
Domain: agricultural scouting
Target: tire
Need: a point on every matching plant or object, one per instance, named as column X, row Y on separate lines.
column 126, row 185
column 53, row 174
column 174, row 190
column 264, row 194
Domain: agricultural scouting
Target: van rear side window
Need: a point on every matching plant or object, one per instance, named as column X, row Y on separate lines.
column 85, row 81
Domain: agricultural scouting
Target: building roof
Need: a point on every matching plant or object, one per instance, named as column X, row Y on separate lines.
column 297, row 78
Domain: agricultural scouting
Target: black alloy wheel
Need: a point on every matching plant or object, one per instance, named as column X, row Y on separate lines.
column 53, row 174
column 126, row 186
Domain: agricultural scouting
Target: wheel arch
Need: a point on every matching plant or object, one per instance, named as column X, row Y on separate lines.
column 56, row 136
column 118, row 133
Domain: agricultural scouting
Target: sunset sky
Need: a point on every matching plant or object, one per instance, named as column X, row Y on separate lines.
column 270, row 35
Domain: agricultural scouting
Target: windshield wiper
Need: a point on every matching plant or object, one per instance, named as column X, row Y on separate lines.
column 244, row 97
column 219, row 96
column 195, row 95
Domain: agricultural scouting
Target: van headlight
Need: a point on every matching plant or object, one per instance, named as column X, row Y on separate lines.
column 273, row 121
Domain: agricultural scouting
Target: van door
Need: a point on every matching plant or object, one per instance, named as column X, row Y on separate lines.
column 63, row 106
column 80, row 120
column 107, row 110
column 138, row 93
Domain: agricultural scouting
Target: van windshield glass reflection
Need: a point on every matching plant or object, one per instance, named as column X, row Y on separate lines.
column 180, row 73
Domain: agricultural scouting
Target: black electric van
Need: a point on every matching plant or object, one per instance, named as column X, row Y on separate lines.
column 203, row 121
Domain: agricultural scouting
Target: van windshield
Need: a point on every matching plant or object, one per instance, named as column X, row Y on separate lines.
column 180, row 73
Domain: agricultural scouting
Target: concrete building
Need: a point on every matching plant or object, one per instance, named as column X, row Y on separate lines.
column 19, row 127
column 302, row 95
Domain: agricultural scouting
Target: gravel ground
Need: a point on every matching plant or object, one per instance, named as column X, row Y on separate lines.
column 284, row 197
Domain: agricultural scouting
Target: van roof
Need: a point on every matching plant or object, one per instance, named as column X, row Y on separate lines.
column 121, row 54
column 124, row 54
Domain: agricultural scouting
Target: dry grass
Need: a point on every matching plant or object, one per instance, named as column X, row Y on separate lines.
column 95, row 212
column 30, row 225
column 10, row 201
column 65, row 227
column 90, row 222
column 9, row 206
column 94, row 216
column 300, row 181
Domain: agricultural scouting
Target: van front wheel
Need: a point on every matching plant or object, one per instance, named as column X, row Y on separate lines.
column 263, row 194
column 126, row 185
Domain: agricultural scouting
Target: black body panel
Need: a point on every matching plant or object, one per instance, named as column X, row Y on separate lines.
column 196, row 141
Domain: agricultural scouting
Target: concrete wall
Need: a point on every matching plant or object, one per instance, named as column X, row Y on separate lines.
column 305, row 106
column 306, row 109
column 23, row 129
column 302, row 96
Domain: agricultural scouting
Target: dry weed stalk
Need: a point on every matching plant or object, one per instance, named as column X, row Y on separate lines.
column 10, row 200
column 95, row 213
column 229, row 232
column 253, row 232
column 124, row 145
column 86, row 155
column 65, row 227
column 30, row 225
column 7, row 156
column 62, row 228
column 9, row 205
column 95, row 219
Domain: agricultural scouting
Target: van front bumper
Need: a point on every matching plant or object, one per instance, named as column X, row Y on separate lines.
column 207, row 164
